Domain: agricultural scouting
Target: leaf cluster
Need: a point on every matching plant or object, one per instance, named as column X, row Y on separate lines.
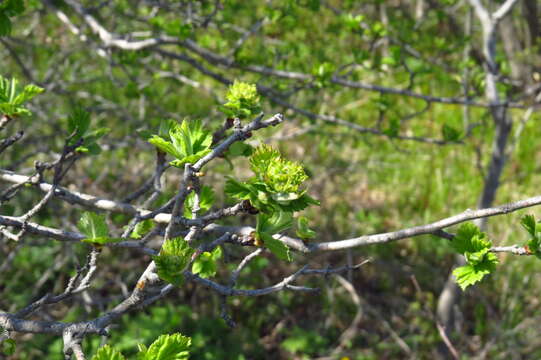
column 242, row 101
column 187, row 142
column 475, row 247
column 172, row 260
column 12, row 97
column 165, row 347
column 276, row 186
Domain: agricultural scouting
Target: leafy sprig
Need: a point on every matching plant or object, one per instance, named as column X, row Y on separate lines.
column 187, row 142
column 12, row 97
column 475, row 246
column 276, row 186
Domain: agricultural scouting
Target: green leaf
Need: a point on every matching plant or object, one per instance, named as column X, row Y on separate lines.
column 303, row 231
column 164, row 146
column 281, row 175
column 108, row 353
column 188, row 142
column 93, row 226
column 206, row 199
column 472, row 273
column 275, row 223
column 205, row 264
column 12, row 99
column 166, row 347
column 172, row 260
column 27, row 94
column 237, row 189
column 7, row 347
column 277, row 247
column 142, row 228
column 469, row 239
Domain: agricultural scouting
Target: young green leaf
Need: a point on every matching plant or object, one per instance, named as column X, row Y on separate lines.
column 469, row 239
column 205, row 264
column 188, row 142
column 12, row 98
column 108, row 353
column 94, row 227
column 470, row 274
column 172, row 260
column 142, row 228
column 166, row 347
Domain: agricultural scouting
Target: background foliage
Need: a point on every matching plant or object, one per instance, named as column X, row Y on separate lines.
column 366, row 182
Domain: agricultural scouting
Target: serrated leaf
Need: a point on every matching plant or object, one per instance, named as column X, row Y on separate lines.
column 237, row 189
column 142, row 228
column 470, row 274
column 167, row 347
column 172, row 260
column 108, row 353
column 303, row 230
column 205, row 264
column 277, row 247
column 93, row 226
column 469, row 239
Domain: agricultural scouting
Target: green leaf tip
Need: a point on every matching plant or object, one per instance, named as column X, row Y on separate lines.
column 172, row 260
